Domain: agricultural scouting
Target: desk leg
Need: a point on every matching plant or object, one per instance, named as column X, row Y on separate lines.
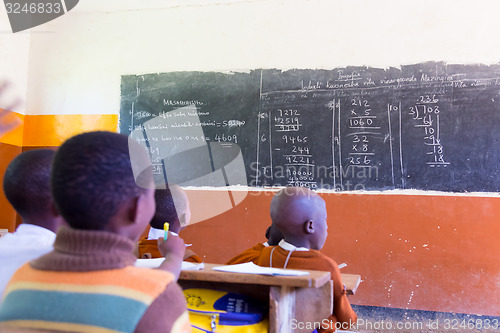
column 281, row 308
column 313, row 305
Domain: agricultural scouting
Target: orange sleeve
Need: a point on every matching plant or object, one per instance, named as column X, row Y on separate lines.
column 148, row 246
column 251, row 254
column 193, row 258
column 342, row 310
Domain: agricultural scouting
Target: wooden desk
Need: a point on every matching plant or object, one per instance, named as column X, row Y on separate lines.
column 313, row 293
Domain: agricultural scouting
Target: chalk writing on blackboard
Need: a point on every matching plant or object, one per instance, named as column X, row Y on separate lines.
column 428, row 126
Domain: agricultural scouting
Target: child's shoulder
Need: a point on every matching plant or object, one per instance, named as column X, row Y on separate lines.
column 317, row 259
column 250, row 254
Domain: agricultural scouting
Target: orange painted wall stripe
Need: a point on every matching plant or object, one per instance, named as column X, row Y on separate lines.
column 41, row 131
column 53, row 130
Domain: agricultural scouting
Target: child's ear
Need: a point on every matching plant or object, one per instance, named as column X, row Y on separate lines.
column 142, row 207
column 133, row 209
column 183, row 222
column 53, row 209
column 268, row 231
column 309, row 227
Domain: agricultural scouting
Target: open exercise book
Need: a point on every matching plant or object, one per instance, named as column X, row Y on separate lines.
column 156, row 262
column 246, row 268
column 251, row 268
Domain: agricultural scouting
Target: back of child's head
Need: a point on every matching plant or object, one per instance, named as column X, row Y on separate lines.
column 92, row 178
column 26, row 183
column 300, row 214
column 172, row 206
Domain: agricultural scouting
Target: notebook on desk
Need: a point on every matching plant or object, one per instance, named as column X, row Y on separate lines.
column 156, row 262
column 251, row 268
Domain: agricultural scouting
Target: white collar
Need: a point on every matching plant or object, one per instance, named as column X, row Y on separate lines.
column 290, row 247
column 158, row 233
column 36, row 229
column 266, row 244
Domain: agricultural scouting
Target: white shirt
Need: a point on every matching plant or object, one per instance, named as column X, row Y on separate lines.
column 287, row 247
column 27, row 243
column 290, row 247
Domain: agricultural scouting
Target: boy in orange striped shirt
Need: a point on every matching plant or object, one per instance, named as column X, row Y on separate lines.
column 88, row 283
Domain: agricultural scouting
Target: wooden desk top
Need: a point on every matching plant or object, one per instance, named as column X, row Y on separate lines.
column 315, row 279
column 351, row 282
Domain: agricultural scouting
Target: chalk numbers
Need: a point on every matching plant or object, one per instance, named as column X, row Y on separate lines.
column 359, row 160
column 362, row 124
column 428, row 99
column 425, row 113
column 360, row 138
column 287, row 120
column 296, row 151
column 359, row 102
column 288, row 113
column 226, row 138
column 294, row 138
column 421, row 111
column 300, row 150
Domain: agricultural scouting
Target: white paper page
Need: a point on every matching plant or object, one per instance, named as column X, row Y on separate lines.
column 251, row 268
column 156, row 262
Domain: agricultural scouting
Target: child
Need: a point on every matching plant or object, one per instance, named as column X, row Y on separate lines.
column 172, row 206
column 89, row 282
column 273, row 236
column 300, row 214
column 26, row 185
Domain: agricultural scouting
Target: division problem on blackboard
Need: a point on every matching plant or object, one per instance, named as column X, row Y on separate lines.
column 428, row 126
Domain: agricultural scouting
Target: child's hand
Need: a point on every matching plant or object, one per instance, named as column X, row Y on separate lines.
column 174, row 245
column 173, row 250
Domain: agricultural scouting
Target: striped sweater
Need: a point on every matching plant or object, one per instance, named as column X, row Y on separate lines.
column 59, row 292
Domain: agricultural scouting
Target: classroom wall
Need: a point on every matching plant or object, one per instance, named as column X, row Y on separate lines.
column 425, row 252
column 414, row 250
column 14, row 55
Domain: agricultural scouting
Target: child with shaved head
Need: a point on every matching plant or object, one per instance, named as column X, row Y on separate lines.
column 300, row 214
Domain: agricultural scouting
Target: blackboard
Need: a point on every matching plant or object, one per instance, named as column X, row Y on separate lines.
column 428, row 126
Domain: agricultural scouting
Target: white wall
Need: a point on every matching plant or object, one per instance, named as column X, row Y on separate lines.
column 14, row 52
column 75, row 61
